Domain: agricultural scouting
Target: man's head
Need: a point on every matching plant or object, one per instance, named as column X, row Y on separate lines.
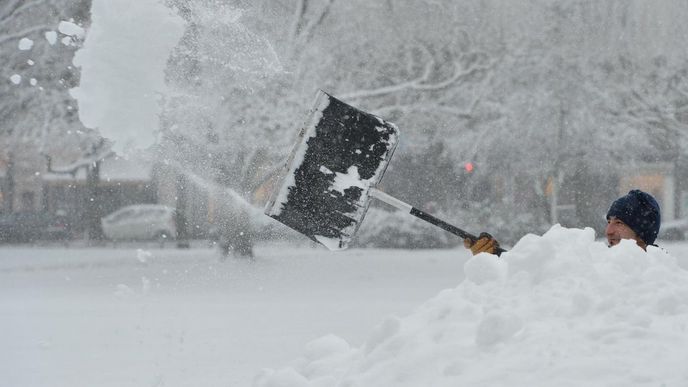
column 633, row 216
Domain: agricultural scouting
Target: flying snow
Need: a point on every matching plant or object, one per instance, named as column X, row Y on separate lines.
column 558, row 310
column 71, row 29
column 122, row 68
column 16, row 79
column 25, row 44
column 51, row 37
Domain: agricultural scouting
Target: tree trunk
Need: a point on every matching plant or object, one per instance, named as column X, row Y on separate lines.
column 181, row 218
column 93, row 212
column 9, row 185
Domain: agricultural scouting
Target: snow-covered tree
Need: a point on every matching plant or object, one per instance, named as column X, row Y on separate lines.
column 561, row 117
column 38, row 118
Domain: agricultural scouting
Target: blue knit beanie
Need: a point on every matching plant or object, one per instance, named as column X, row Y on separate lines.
column 640, row 211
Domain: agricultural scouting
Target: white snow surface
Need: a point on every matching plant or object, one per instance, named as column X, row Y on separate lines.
column 122, row 68
column 556, row 310
column 145, row 316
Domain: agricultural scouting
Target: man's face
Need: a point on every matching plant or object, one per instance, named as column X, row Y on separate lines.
column 618, row 230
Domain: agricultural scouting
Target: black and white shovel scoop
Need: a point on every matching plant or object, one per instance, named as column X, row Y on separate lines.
column 331, row 174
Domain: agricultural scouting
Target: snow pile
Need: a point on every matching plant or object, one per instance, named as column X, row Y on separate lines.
column 557, row 310
column 122, row 68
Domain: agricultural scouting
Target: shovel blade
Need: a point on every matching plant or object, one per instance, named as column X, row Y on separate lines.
column 341, row 153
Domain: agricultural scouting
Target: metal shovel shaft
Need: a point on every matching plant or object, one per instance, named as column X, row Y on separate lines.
column 377, row 194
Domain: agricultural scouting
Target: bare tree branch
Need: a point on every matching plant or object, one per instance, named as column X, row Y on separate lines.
column 426, row 108
column 297, row 23
column 25, row 32
column 9, row 9
column 417, row 84
column 674, row 87
column 309, row 29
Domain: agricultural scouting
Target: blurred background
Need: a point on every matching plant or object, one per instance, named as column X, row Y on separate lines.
column 514, row 116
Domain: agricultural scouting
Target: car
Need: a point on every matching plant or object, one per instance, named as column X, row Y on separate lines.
column 676, row 229
column 31, row 226
column 141, row 222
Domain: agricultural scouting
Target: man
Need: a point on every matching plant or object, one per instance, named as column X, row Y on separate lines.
column 634, row 216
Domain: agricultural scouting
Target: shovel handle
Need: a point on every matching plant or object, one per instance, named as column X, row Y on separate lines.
column 448, row 227
column 377, row 194
column 442, row 224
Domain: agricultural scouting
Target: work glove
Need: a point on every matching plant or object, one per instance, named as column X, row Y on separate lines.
column 484, row 244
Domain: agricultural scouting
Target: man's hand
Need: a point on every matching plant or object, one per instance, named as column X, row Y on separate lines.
column 485, row 244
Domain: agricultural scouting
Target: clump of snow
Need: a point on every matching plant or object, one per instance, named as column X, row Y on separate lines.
column 332, row 244
column 122, row 68
column 71, row 29
column 25, row 44
column 16, row 79
column 51, row 37
column 559, row 310
column 344, row 181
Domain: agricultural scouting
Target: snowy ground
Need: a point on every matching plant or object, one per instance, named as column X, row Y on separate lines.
column 165, row 317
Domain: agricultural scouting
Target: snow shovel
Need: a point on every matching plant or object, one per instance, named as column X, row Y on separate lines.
column 328, row 180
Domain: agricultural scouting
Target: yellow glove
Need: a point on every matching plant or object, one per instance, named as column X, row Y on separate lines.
column 485, row 244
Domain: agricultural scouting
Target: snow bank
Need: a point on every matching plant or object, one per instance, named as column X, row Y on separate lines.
column 556, row 310
column 122, row 68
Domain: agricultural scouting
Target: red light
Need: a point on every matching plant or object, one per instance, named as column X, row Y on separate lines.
column 468, row 167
